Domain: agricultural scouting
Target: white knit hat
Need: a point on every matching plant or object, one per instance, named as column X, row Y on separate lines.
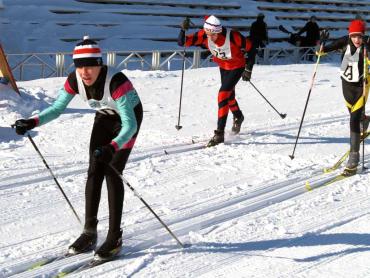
column 212, row 25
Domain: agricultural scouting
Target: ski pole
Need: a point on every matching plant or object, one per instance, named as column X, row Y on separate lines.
column 178, row 126
column 364, row 81
column 55, row 179
column 280, row 114
column 308, row 97
column 97, row 154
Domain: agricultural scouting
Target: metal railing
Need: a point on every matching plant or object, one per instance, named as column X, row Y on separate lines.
column 43, row 65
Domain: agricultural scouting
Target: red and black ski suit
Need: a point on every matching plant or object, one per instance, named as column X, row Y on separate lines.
column 229, row 53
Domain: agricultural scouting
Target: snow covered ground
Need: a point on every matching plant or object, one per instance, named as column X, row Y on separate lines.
column 242, row 205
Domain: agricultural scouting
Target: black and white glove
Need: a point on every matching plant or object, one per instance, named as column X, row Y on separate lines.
column 247, row 75
column 23, row 125
column 324, row 35
column 104, row 153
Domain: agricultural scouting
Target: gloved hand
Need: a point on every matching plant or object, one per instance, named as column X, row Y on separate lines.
column 185, row 24
column 318, row 53
column 324, row 35
column 104, row 153
column 23, row 125
column 247, row 74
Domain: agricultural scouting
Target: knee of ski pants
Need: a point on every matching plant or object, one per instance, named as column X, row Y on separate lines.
column 96, row 168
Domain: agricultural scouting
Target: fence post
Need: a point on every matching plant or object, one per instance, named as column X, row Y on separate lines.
column 111, row 59
column 156, row 60
column 296, row 55
column 196, row 59
column 266, row 56
column 59, row 61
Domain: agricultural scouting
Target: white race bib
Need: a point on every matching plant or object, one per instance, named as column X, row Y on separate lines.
column 349, row 68
column 222, row 52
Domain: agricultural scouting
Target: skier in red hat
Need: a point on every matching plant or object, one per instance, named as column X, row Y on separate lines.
column 352, row 74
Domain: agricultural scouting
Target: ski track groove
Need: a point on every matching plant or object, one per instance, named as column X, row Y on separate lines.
column 312, row 227
column 352, row 216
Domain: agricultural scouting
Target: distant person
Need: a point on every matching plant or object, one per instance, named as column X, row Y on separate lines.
column 228, row 48
column 359, row 16
column 312, row 31
column 258, row 32
column 117, row 122
column 352, row 72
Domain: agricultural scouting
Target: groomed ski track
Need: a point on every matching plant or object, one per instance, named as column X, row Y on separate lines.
column 205, row 216
column 237, row 220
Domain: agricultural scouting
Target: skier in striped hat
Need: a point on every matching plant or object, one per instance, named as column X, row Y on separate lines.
column 117, row 122
column 228, row 48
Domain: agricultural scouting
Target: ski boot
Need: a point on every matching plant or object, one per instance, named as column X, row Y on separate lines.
column 111, row 247
column 237, row 124
column 217, row 138
column 351, row 167
column 354, row 155
column 87, row 240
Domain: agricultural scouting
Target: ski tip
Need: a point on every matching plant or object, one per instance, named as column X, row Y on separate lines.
column 308, row 186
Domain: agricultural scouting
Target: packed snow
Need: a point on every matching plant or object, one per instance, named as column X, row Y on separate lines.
column 242, row 206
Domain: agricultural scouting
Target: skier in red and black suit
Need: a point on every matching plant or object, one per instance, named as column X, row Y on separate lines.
column 228, row 48
column 118, row 117
column 352, row 73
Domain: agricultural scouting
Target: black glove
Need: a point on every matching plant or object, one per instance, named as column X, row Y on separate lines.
column 324, row 35
column 23, row 125
column 247, row 74
column 104, row 153
column 185, row 24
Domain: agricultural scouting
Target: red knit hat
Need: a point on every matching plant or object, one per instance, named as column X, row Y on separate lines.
column 356, row 27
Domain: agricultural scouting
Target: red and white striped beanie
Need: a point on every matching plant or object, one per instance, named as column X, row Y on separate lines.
column 87, row 53
column 212, row 25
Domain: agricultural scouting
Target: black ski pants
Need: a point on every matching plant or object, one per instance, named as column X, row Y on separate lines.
column 105, row 128
column 352, row 95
